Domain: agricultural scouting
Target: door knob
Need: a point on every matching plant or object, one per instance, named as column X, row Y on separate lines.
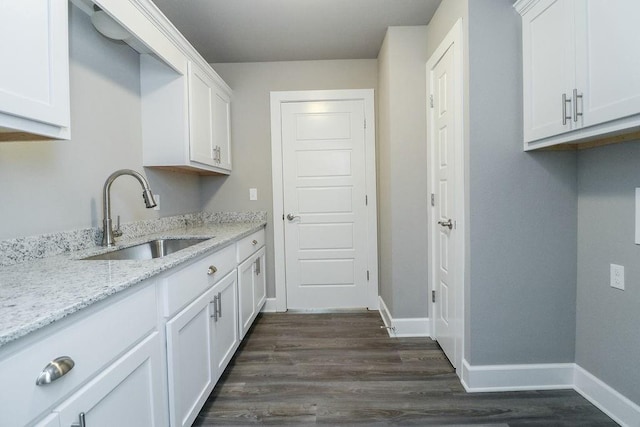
column 446, row 223
column 291, row 217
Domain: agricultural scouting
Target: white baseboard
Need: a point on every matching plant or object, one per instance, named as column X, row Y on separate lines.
column 400, row 328
column 269, row 306
column 547, row 376
column 552, row 376
column 615, row 405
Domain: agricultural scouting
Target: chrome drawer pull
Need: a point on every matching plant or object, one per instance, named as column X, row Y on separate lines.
column 81, row 422
column 255, row 242
column 211, row 270
column 219, row 304
column 55, row 369
column 215, row 308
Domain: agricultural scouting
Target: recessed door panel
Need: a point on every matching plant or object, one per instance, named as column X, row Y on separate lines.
column 325, row 236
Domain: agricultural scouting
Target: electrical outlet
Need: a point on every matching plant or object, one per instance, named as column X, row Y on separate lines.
column 253, row 194
column 156, row 197
column 617, row 276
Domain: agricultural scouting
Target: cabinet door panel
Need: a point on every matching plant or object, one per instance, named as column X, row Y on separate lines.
column 608, row 65
column 200, row 116
column 222, row 128
column 189, row 360
column 127, row 393
column 246, row 273
column 548, row 67
column 226, row 338
column 34, row 78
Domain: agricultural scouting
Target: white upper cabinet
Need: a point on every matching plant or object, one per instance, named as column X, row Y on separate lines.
column 209, row 116
column 34, row 77
column 579, row 73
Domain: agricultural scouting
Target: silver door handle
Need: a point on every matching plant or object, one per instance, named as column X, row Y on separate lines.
column 565, row 117
column 291, row 217
column 81, row 421
column 575, row 105
column 446, row 223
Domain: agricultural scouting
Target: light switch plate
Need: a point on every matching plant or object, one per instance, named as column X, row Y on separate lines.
column 253, row 194
column 617, row 276
column 637, row 216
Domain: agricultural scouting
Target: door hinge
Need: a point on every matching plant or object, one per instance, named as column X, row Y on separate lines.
column 431, row 101
column 433, row 296
column 433, row 199
column 366, row 200
column 367, row 275
column 283, row 217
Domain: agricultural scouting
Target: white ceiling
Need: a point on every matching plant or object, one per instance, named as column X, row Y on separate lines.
column 287, row 30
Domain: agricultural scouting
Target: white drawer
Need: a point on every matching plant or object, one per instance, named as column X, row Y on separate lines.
column 185, row 285
column 92, row 338
column 250, row 244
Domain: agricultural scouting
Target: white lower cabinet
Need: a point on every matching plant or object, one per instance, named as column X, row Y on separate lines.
column 125, row 393
column 201, row 340
column 251, row 289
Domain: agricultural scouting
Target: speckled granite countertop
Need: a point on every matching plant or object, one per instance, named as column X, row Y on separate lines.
column 38, row 292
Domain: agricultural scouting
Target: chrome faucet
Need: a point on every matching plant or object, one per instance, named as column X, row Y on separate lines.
column 107, row 230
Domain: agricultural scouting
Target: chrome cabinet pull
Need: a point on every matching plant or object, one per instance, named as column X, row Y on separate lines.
column 211, row 270
column 564, row 109
column 81, row 421
column 215, row 309
column 254, row 242
column 219, row 304
column 446, row 223
column 575, row 105
column 257, row 266
column 55, row 369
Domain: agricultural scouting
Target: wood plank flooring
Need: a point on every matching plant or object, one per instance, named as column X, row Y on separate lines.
column 343, row 369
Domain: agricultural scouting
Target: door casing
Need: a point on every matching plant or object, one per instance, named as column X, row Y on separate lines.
column 453, row 40
column 278, row 98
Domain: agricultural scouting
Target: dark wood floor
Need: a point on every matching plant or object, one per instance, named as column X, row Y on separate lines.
column 342, row 369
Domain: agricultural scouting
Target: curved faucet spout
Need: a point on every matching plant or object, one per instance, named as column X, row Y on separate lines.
column 147, row 195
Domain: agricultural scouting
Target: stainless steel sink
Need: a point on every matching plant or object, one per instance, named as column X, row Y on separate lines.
column 149, row 250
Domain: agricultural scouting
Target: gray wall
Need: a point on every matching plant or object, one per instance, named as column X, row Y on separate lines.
column 402, row 172
column 57, row 185
column 251, row 128
column 607, row 336
column 522, row 207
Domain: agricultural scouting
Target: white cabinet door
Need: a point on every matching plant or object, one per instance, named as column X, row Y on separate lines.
column 192, row 374
column 608, row 64
column 209, row 120
column 201, row 96
column 247, row 307
column 34, row 77
column 260, row 280
column 225, row 326
column 222, row 128
column 548, row 68
column 126, row 393
column 251, row 289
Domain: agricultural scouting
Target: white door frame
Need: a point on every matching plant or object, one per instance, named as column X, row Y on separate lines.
column 453, row 40
column 277, row 98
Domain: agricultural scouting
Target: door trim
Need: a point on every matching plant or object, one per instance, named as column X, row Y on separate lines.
column 278, row 98
column 453, row 40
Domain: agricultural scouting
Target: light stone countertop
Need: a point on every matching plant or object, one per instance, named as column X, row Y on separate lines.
column 36, row 293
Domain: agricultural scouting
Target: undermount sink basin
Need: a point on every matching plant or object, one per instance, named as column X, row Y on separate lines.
column 149, row 250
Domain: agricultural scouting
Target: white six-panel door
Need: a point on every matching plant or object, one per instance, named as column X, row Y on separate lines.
column 324, row 191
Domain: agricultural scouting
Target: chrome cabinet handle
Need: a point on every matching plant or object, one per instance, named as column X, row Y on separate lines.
column 291, row 216
column 211, row 270
column 255, row 242
column 446, row 223
column 257, row 266
column 215, row 308
column 55, row 369
column 564, row 109
column 219, row 304
column 81, row 422
column 575, row 105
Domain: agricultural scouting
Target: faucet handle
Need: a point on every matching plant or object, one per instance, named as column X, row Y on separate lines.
column 117, row 232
